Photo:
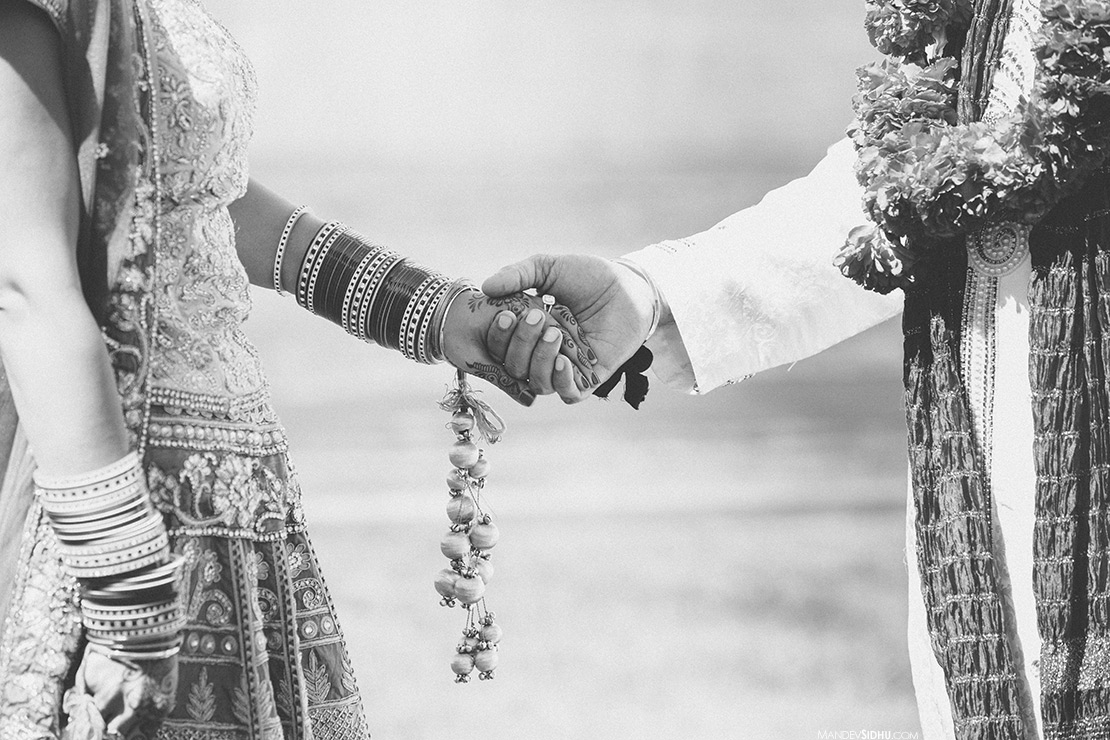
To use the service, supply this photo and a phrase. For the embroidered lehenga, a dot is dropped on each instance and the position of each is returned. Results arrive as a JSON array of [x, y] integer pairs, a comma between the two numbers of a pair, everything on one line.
[[162, 100]]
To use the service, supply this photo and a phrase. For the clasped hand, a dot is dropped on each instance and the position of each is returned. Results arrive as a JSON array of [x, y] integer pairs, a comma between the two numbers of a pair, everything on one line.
[[602, 314], [115, 698]]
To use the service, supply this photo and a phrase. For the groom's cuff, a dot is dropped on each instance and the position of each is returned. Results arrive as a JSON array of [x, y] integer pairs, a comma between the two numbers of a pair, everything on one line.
[[675, 361]]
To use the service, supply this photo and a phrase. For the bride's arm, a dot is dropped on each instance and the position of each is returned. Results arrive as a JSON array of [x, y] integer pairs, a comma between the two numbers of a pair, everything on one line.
[[261, 219], [56, 362], [55, 359]]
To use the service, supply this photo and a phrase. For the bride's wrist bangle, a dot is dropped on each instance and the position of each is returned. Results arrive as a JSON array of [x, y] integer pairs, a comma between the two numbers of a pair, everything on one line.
[[373, 293], [311, 260], [439, 322], [283, 242], [656, 294]]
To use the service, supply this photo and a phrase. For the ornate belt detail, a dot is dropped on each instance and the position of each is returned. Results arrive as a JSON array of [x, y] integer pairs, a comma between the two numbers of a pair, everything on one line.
[[998, 249], [245, 425]]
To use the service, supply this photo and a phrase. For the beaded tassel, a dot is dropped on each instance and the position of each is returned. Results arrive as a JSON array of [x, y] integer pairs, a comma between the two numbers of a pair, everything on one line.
[[472, 534]]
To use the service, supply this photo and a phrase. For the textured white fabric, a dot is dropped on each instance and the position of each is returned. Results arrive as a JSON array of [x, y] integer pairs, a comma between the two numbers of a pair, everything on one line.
[[1013, 479], [759, 289]]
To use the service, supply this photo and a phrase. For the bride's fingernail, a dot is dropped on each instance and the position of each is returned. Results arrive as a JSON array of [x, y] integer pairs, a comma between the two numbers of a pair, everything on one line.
[[551, 334], [593, 357], [534, 317], [505, 319]]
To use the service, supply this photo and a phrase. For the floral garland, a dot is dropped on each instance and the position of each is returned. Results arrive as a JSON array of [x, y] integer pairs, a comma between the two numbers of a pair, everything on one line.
[[927, 177]]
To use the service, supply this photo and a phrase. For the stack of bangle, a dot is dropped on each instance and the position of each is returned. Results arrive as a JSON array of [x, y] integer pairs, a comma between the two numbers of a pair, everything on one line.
[[113, 541], [375, 294]]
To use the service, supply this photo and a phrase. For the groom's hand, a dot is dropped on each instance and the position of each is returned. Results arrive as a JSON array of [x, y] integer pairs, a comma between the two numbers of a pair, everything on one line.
[[613, 307]]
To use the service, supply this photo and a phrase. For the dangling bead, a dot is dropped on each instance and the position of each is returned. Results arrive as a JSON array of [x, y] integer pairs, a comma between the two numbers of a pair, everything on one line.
[[486, 660], [491, 633], [484, 570], [461, 509], [462, 664], [480, 469], [464, 454], [469, 590], [455, 545], [484, 536], [445, 583], [454, 482], [462, 421]]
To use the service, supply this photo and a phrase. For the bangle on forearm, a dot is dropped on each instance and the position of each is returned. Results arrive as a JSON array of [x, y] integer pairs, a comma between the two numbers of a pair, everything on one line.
[[427, 340], [283, 241], [371, 294], [656, 294], [374, 294], [319, 264], [397, 289], [439, 321], [413, 317], [337, 266], [311, 260], [114, 542]]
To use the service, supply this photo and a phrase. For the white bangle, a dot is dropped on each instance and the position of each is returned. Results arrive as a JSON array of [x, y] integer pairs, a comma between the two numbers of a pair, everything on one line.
[[656, 294], [282, 242], [459, 288], [108, 472]]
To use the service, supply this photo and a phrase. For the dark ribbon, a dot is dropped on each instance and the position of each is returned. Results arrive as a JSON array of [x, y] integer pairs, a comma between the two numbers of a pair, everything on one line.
[[635, 382]]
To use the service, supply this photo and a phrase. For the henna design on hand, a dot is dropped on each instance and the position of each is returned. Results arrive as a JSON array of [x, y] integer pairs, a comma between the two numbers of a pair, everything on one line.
[[569, 319], [518, 303], [568, 342], [500, 378]]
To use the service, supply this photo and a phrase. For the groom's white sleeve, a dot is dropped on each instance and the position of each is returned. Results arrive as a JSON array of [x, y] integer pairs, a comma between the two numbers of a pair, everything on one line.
[[759, 289]]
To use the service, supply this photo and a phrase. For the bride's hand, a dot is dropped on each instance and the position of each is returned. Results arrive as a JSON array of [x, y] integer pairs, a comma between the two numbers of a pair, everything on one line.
[[130, 696], [612, 305], [467, 325]]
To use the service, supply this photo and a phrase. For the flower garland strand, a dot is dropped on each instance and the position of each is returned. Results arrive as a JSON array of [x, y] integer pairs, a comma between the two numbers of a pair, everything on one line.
[[905, 28], [928, 178], [472, 534]]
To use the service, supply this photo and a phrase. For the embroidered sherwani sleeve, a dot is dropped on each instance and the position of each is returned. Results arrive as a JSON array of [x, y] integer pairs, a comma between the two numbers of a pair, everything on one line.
[[759, 289]]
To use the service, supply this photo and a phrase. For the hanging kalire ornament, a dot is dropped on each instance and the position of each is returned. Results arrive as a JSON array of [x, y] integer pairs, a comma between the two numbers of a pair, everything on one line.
[[473, 534]]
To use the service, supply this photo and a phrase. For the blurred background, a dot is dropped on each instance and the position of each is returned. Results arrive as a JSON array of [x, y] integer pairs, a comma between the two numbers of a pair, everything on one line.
[[726, 566]]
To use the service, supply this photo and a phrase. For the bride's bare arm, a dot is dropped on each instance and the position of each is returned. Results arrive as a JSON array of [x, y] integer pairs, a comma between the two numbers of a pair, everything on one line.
[[260, 217], [61, 378], [56, 362]]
